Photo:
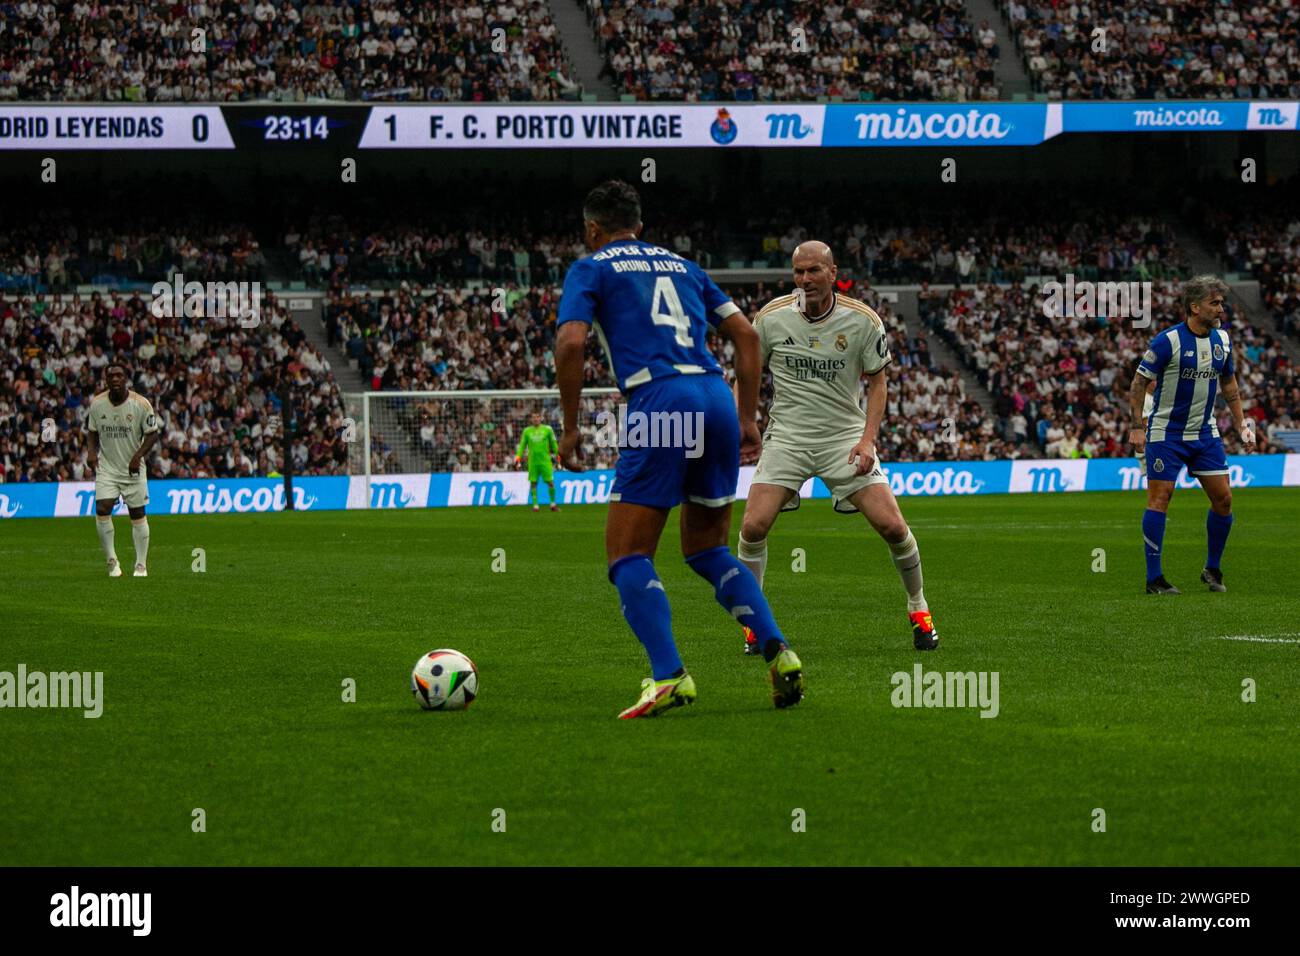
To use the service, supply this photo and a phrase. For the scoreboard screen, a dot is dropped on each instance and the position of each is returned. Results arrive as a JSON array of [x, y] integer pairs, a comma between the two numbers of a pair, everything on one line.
[[345, 127]]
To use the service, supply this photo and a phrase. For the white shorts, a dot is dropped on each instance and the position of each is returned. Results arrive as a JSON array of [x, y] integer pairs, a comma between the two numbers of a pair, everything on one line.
[[789, 467], [134, 490]]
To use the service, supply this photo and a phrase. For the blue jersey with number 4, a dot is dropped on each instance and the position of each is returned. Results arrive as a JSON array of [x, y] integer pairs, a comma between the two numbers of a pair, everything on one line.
[[650, 307]]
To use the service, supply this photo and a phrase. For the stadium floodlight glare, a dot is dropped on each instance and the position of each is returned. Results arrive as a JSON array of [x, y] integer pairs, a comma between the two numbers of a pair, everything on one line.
[[486, 422]]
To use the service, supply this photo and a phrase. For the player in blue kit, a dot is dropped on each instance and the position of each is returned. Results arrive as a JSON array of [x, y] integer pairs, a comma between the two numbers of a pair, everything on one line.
[[1187, 363], [651, 310]]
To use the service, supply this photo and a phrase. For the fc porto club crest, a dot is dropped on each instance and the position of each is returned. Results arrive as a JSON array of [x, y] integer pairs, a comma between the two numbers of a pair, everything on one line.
[[1218, 352], [841, 343], [723, 129], [1158, 465]]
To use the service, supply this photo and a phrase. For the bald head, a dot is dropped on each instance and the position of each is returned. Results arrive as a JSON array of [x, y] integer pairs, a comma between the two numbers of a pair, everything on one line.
[[814, 275], [814, 250]]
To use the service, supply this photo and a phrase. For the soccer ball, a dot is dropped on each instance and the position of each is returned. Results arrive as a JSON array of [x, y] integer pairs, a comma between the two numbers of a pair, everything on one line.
[[444, 680]]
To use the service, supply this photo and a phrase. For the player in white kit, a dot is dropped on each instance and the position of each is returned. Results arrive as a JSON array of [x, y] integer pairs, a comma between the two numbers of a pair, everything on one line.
[[123, 430], [818, 345]]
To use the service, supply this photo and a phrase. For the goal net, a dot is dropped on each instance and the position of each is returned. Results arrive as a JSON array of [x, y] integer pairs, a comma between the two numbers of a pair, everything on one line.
[[411, 433]]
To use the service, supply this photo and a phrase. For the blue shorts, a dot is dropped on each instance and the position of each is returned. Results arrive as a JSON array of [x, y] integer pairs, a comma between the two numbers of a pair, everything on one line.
[[695, 417], [1202, 457]]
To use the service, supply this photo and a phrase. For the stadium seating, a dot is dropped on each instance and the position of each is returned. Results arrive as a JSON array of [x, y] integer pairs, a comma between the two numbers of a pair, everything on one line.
[[715, 50], [1191, 50], [1062, 383], [289, 51], [213, 384]]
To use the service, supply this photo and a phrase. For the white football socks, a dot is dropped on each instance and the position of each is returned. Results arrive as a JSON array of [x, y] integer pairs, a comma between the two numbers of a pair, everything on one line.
[[140, 535], [105, 528], [907, 558], [753, 556]]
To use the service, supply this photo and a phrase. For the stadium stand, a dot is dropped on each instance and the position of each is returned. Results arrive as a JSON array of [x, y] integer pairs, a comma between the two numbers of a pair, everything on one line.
[[290, 51], [776, 51], [1061, 383], [1196, 49], [214, 385]]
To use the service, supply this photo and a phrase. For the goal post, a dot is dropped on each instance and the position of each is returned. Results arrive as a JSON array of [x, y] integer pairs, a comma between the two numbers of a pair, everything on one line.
[[427, 432]]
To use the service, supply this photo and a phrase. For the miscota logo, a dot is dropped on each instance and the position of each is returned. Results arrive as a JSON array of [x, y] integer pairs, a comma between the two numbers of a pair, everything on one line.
[[949, 481], [388, 494], [490, 493], [586, 491], [903, 123], [1048, 479], [787, 126]]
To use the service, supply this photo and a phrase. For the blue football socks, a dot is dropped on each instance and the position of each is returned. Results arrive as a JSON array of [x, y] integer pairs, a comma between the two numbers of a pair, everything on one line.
[[737, 590], [645, 606], [1217, 527], [1153, 536]]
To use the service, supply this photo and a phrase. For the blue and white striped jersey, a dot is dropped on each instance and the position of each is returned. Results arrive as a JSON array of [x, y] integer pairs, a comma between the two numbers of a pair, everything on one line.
[[1186, 368]]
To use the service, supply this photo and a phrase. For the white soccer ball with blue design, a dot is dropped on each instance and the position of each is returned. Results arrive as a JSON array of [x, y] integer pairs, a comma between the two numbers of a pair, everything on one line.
[[444, 680]]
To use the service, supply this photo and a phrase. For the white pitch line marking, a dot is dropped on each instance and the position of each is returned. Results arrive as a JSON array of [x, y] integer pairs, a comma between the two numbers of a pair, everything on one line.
[[1260, 639]]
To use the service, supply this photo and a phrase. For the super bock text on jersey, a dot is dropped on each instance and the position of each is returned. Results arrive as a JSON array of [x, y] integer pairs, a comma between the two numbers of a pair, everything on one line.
[[652, 310], [1181, 429]]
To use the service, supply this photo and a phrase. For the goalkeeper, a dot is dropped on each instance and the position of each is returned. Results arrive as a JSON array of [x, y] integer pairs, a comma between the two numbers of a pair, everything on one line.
[[538, 441]]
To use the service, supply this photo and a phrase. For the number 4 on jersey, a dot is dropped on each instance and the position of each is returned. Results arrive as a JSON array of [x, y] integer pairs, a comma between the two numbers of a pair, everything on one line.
[[665, 296]]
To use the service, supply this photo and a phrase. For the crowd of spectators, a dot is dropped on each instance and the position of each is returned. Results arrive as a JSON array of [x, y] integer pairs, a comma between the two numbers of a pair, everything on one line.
[[858, 50], [333, 248], [1265, 245], [1193, 49], [286, 50], [215, 386], [682, 50], [57, 255], [1051, 234], [1060, 383], [449, 340]]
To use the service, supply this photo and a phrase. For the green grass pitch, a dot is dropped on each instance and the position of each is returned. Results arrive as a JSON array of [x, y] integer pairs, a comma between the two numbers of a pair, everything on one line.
[[223, 691]]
